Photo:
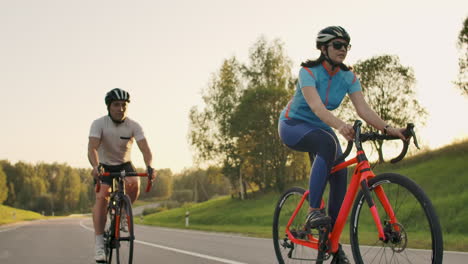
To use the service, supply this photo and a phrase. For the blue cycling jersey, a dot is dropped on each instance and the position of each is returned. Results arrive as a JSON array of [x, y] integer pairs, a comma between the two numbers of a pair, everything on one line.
[[332, 86]]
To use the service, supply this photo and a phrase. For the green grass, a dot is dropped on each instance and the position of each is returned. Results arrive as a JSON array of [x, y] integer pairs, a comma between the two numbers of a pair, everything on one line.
[[223, 214], [442, 174], [11, 215]]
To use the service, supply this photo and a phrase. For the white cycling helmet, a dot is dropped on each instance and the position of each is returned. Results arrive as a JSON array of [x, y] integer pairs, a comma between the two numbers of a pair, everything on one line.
[[329, 33]]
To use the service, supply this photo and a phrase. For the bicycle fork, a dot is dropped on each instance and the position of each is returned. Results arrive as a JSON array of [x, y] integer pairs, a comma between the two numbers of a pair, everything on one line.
[[373, 209]]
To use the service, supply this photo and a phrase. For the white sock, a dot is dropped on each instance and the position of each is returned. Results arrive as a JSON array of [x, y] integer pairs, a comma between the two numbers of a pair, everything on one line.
[[99, 240]]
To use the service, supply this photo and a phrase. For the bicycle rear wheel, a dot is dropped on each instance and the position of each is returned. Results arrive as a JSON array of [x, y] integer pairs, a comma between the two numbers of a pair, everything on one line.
[[124, 233], [415, 238], [287, 251]]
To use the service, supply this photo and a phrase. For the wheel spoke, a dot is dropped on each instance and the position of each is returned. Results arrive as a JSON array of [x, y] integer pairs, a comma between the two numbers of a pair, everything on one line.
[[124, 245], [416, 235], [286, 250]]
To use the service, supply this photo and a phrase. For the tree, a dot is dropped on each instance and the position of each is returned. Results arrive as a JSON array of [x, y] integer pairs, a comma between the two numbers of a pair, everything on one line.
[[3, 186], [388, 88], [462, 43], [162, 185], [237, 129], [29, 186], [71, 189], [199, 185], [209, 133], [9, 171], [269, 86]]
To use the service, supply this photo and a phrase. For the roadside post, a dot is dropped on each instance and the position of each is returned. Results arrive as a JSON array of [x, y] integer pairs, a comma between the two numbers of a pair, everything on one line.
[[187, 215]]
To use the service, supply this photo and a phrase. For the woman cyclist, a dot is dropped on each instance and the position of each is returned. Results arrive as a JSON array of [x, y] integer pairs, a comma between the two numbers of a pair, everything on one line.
[[306, 122]]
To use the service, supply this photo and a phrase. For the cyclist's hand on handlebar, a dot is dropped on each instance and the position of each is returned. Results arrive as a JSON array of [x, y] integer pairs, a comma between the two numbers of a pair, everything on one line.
[[397, 132], [151, 172], [96, 172], [347, 131]]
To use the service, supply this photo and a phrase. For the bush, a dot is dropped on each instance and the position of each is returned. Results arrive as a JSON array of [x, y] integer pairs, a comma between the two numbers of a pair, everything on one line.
[[171, 204], [155, 210], [163, 206], [183, 196]]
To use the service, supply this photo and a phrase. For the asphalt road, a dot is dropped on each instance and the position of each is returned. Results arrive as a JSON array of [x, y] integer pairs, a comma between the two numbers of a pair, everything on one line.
[[70, 240]]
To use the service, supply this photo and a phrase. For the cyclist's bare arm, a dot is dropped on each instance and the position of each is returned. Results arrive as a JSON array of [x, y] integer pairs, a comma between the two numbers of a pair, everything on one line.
[[93, 156], [368, 114], [147, 154], [146, 151], [315, 103]]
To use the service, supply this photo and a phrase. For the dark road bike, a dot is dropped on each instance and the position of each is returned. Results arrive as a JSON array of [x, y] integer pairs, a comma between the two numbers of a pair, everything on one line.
[[118, 232], [400, 224]]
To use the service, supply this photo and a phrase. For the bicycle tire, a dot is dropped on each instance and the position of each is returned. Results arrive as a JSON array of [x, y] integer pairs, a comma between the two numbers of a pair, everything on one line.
[[419, 236], [286, 251], [124, 242], [109, 241]]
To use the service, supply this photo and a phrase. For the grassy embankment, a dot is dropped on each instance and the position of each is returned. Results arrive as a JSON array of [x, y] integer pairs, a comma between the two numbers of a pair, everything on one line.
[[443, 175], [10, 215]]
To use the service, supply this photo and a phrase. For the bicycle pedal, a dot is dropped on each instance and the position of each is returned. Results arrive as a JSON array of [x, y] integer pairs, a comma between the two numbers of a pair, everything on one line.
[[101, 261], [302, 234], [294, 233], [324, 228]]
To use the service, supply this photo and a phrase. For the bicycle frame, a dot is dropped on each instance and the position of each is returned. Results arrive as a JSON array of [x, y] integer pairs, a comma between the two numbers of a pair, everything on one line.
[[118, 191], [361, 174]]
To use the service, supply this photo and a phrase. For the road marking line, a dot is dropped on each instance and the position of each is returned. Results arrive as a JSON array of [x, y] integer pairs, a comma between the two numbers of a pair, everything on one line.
[[456, 252], [8, 229], [220, 234], [14, 226], [85, 227], [199, 255], [190, 253]]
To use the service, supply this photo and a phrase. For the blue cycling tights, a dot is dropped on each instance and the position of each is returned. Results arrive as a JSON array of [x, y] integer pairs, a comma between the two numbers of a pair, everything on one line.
[[323, 148]]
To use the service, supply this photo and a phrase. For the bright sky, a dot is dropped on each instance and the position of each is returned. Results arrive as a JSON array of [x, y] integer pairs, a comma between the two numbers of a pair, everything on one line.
[[58, 58]]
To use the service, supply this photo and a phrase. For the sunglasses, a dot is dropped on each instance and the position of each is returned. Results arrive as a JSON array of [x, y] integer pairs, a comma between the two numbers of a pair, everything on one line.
[[338, 45]]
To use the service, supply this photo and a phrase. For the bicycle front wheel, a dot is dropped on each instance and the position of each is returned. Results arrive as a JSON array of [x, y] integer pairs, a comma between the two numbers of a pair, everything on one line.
[[287, 251], [109, 238], [415, 238], [124, 233]]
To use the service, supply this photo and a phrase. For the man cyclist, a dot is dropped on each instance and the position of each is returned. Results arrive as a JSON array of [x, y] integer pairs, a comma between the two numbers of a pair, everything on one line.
[[109, 149]]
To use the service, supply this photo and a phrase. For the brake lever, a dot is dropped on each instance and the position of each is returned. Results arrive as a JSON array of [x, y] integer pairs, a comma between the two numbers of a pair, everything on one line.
[[150, 179], [415, 140], [409, 132]]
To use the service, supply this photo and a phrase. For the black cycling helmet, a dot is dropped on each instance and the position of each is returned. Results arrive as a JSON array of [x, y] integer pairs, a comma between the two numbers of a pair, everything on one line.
[[329, 33], [117, 94]]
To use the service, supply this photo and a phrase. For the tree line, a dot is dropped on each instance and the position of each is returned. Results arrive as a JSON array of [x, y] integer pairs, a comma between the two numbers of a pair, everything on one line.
[[45, 188], [59, 189]]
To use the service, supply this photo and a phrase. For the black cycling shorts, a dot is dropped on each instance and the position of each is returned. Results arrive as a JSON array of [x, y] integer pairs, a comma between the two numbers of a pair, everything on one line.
[[127, 167]]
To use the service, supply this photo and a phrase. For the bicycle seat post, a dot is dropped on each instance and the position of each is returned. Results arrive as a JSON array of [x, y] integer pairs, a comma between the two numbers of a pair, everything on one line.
[[121, 181]]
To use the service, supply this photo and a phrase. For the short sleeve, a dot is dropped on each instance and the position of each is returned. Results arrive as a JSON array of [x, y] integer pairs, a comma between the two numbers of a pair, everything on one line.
[[138, 132], [306, 78], [96, 129], [355, 85]]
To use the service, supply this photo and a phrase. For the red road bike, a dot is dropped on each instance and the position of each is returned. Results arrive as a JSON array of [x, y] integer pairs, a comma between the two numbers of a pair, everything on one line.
[[118, 232], [400, 225]]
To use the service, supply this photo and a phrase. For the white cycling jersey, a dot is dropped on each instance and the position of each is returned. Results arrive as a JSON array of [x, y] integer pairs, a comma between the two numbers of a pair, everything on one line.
[[116, 139]]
